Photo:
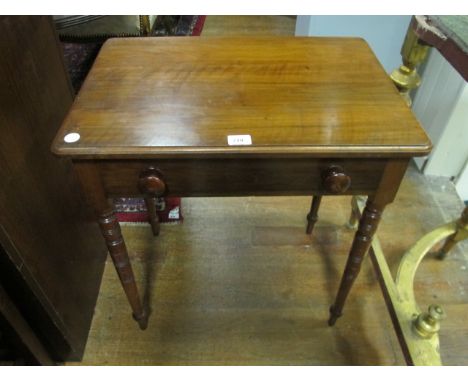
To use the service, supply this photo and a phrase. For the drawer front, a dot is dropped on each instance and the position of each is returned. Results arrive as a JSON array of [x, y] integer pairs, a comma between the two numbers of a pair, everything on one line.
[[242, 177]]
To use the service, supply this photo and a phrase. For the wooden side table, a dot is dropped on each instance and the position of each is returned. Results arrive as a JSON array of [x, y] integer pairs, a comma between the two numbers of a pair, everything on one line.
[[236, 117]]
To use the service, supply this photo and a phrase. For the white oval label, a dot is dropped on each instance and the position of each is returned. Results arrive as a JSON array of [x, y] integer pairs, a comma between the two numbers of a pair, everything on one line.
[[72, 137]]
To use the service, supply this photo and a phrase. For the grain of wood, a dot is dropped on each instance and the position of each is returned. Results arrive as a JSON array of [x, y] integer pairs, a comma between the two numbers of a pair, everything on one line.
[[293, 95]]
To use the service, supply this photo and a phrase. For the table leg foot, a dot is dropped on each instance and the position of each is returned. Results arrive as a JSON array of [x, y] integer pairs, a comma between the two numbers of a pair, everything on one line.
[[142, 319], [334, 315], [312, 216]]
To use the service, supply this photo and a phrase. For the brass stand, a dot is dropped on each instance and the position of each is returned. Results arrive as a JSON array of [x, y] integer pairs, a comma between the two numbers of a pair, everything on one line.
[[416, 330]]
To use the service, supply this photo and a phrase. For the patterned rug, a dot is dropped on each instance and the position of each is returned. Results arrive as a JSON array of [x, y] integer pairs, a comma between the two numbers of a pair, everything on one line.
[[79, 57]]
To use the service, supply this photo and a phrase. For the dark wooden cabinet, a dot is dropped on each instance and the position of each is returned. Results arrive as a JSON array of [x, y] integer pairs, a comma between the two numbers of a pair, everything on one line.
[[51, 255]]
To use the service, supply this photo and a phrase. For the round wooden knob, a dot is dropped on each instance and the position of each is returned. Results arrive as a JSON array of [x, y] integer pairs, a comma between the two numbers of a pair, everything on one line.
[[335, 180], [151, 183]]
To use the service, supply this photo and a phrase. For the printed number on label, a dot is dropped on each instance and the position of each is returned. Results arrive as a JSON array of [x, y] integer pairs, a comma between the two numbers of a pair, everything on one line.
[[239, 140]]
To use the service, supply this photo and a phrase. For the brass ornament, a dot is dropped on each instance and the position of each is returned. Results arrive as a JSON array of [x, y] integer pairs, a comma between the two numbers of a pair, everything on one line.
[[428, 323], [418, 330], [413, 53]]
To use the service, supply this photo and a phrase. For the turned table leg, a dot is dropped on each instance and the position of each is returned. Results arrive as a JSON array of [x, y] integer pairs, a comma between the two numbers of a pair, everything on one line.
[[362, 241], [312, 216], [151, 184], [110, 229], [385, 194], [152, 214], [90, 180]]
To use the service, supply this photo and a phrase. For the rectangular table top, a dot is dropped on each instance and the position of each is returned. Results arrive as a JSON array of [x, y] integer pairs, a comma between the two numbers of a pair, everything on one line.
[[184, 96]]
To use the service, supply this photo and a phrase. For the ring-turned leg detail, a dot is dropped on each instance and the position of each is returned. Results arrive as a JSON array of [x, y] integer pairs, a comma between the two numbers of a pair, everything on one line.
[[312, 216], [91, 183], [362, 241], [110, 229]]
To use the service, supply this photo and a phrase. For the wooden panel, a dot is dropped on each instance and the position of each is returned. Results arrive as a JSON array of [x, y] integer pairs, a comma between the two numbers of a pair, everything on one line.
[[224, 177], [297, 96], [28, 343], [44, 229]]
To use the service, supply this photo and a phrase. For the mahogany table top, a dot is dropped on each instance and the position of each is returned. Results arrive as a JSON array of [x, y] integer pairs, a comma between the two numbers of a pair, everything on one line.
[[294, 96]]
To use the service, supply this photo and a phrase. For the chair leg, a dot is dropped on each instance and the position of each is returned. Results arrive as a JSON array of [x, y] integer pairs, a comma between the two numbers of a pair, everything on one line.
[[312, 216]]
